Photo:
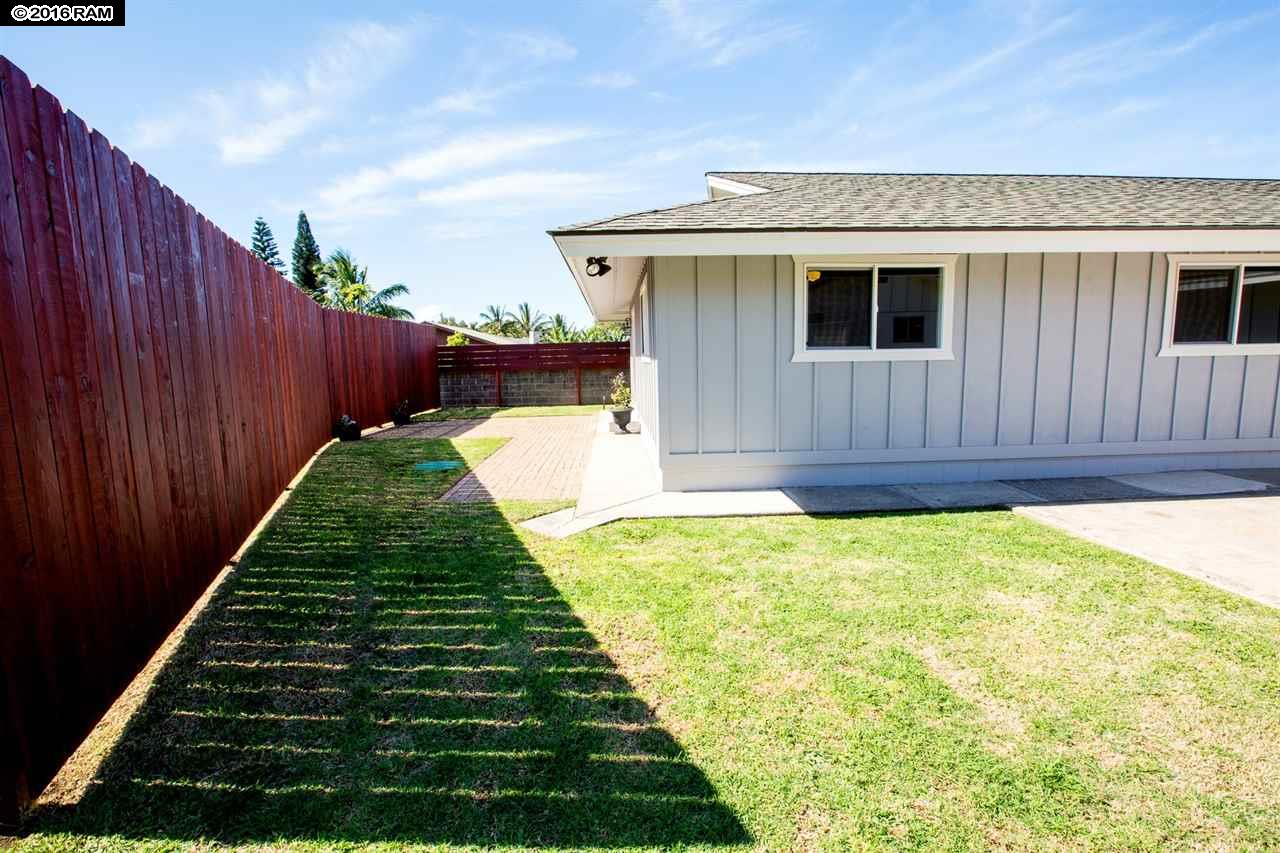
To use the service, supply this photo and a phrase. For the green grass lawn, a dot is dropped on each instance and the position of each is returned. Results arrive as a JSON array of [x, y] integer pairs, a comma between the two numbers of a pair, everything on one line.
[[457, 412], [388, 669]]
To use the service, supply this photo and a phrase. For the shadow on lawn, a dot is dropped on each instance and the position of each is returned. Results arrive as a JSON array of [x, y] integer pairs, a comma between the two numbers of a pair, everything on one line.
[[387, 667]]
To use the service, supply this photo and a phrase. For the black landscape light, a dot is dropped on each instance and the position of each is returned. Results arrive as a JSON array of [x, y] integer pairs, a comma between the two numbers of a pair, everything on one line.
[[597, 266]]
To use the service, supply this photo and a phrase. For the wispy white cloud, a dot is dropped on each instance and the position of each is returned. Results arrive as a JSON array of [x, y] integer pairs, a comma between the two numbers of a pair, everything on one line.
[[491, 59], [1139, 52], [552, 187], [823, 165], [493, 67], [983, 65], [251, 121], [260, 141], [386, 189], [742, 150], [481, 99], [537, 46], [722, 31], [463, 229], [611, 80], [1134, 106]]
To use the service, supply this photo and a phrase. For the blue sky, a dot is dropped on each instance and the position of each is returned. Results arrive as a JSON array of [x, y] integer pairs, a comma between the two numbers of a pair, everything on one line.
[[438, 145]]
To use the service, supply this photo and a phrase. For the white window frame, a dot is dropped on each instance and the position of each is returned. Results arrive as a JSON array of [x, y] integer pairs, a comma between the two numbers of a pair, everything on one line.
[[1238, 261], [643, 350], [874, 263]]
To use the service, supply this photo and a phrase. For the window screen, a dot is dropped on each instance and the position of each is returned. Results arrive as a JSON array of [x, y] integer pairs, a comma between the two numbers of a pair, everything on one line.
[[1202, 312], [1260, 306], [839, 308], [908, 308]]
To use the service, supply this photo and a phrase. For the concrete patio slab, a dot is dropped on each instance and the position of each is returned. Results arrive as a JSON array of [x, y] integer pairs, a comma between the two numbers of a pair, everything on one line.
[[845, 499], [1073, 489], [710, 504], [552, 523], [1270, 476], [1230, 542], [1190, 483], [619, 469], [961, 495]]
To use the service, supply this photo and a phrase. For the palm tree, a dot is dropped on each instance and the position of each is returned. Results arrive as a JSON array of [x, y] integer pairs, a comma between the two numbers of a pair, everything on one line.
[[493, 319], [608, 331], [561, 331], [346, 288], [525, 320]]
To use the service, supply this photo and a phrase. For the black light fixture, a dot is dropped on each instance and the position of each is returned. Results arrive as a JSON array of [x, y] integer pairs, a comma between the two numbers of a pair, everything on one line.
[[597, 266]]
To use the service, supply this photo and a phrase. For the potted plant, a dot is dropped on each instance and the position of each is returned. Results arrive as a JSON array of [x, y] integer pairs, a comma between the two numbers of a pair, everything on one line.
[[620, 401], [348, 429], [402, 414]]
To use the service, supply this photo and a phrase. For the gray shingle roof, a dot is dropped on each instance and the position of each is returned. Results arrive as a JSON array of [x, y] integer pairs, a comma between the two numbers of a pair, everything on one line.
[[488, 337], [860, 202]]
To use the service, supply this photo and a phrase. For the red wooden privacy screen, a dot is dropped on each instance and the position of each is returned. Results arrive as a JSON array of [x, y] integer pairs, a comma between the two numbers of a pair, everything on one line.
[[159, 386], [500, 359]]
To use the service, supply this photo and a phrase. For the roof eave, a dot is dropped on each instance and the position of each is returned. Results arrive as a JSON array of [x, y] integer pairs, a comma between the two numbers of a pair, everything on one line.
[[782, 241], [577, 279], [920, 229]]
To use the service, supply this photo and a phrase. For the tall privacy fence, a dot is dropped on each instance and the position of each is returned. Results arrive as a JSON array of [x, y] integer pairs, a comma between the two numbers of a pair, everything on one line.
[[159, 387], [530, 374]]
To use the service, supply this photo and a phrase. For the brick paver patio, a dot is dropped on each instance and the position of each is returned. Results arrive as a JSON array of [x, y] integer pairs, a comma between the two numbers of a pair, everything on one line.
[[544, 459]]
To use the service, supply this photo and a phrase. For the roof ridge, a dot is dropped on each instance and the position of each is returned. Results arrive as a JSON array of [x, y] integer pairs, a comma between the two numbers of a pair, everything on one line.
[[726, 173], [595, 222]]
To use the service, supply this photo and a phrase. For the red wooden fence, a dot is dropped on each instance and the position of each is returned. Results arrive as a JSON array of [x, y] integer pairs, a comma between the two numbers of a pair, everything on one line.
[[500, 359], [159, 386]]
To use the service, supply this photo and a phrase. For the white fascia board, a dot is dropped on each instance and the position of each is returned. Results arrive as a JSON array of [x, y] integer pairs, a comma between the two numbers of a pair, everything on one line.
[[887, 242], [718, 187], [593, 290]]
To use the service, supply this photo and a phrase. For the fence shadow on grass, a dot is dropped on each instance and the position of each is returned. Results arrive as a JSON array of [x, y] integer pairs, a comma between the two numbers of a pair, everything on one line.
[[384, 666]]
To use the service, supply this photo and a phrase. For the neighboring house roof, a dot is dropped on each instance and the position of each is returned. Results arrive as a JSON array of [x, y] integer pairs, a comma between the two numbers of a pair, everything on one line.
[[487, 337], [787, 201]]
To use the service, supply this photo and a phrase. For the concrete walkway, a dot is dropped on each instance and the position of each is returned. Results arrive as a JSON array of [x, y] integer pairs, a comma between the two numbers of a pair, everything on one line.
[[1220, 526], [1229, 541], [543, 460]]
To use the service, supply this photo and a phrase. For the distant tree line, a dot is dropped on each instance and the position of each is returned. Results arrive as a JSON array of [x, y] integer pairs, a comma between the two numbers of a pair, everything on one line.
[[524, 320], [339, 282]]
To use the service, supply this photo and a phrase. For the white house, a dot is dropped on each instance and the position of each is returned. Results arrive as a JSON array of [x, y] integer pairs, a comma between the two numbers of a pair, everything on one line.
[[813, 329]]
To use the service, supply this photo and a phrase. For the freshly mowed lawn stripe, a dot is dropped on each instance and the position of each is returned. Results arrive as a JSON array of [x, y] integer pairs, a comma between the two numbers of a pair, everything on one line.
[[460, 412], [941, 679], [387, 668]]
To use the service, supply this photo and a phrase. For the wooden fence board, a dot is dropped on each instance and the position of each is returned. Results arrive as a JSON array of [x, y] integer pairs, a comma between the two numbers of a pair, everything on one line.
[[61, 380], [32, 431], [497, 359], [159, 386], [148, 351], [200, 527], [127, 497], [179, 431]]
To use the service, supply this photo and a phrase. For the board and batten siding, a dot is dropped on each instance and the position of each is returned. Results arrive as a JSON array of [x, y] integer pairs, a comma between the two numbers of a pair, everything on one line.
[[1055, 373]]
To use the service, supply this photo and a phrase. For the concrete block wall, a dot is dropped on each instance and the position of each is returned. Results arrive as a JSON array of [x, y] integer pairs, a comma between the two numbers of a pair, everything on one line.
[[466, 389], [526, 387], [597, 384]]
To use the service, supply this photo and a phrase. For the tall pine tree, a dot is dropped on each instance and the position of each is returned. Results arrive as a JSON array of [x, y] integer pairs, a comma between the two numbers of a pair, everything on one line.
[[306, 257], [264, 245]]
